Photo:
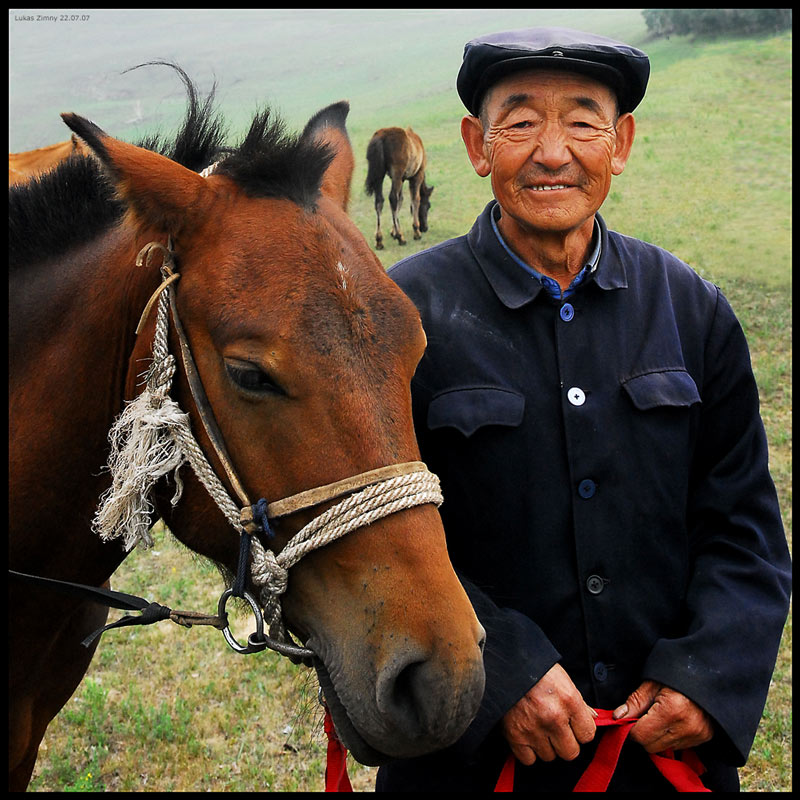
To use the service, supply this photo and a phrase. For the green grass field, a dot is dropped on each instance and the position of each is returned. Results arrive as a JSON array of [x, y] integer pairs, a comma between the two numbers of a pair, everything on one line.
[[168, 709]]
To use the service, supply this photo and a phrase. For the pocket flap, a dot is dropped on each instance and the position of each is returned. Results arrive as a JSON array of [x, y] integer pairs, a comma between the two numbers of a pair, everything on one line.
[[469, 408], [667, 388]]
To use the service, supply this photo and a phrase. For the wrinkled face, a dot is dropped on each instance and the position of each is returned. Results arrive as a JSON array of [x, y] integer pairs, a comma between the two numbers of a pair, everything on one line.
[[306, 350], [551, 142]]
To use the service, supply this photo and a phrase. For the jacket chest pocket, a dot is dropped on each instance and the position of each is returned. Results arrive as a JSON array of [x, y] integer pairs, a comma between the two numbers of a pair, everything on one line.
[[667, 388], [660, 430], [469, 408]]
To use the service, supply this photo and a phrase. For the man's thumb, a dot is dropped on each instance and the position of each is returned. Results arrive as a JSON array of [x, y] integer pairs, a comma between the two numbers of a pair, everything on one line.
[[638, 702]]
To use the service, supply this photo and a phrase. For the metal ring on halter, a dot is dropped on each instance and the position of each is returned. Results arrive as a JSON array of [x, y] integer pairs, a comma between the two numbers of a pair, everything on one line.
[[258, 640]]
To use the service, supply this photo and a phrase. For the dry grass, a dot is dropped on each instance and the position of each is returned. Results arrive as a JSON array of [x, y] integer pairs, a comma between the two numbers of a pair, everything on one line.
[[168, 709]]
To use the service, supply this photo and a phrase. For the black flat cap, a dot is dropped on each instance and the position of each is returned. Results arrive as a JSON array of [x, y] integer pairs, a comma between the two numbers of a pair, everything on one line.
[[488, 58]]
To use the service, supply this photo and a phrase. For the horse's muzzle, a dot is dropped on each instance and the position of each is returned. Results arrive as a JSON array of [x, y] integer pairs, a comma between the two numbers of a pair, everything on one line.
[[420, 705], [412, 694]]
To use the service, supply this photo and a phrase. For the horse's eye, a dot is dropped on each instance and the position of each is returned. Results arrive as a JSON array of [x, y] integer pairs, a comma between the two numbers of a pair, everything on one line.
[[252, 378]]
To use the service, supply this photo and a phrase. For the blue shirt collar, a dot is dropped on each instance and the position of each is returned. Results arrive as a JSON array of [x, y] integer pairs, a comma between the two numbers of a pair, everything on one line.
[[548, 284]]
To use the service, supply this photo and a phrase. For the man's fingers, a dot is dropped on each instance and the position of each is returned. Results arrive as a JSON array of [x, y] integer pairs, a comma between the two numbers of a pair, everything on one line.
[[639, 701], [556, 743], [583, 725], [568, 749], [652, 730], [565, 741], [550, 721], [546, 750], [668, 739], [523, 753], [673, 722]]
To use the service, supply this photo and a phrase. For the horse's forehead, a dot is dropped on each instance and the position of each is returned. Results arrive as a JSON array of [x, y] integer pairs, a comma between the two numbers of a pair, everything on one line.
[[261, 244], [255, 230], [267, 269], [301, 282]]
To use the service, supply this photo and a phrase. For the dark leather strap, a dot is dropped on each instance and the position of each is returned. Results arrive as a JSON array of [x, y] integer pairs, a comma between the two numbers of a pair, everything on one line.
[[204, 410], [151, 612]]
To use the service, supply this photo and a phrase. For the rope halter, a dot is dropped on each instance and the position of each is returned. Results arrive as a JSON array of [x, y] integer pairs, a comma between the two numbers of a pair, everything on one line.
[[153, 437]]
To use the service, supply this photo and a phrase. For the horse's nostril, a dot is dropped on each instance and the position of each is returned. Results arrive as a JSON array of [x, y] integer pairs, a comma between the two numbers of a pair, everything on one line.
[[425, 701], [415, 697], [405, 692]]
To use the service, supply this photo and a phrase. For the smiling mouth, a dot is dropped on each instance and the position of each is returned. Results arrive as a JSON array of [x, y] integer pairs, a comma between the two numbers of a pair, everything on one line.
[[550, 188]]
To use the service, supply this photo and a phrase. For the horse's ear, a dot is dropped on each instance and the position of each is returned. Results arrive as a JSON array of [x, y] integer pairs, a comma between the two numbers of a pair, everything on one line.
[[160, 192], [328, 127]]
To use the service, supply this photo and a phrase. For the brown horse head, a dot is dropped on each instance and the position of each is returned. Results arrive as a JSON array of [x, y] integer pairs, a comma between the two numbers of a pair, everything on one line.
[[306, 350], [425, 193]]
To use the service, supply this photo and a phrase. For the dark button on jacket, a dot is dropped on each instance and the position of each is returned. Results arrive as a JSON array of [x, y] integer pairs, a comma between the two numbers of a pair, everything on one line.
[[620, 440], [595, 584]]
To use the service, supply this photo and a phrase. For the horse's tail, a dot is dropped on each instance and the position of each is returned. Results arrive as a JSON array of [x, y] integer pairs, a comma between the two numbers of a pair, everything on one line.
[[376, 165]]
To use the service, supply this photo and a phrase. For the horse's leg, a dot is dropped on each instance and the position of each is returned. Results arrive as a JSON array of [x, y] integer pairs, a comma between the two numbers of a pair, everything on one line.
[[414, 185], [378, 209], [395, 201], [47, 663]]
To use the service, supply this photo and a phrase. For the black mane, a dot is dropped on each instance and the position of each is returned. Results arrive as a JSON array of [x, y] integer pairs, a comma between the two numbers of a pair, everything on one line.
[[200, 139], [271, 163], [61, 209], [75, 202]]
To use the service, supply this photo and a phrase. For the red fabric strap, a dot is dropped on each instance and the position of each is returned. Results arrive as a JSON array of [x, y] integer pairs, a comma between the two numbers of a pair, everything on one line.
[[684, 775], [336, 778], [505, 783], [598, 773]]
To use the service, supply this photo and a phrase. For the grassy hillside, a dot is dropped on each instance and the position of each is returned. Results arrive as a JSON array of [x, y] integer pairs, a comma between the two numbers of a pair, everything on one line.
[[166, 709], [713, 131], [709, 177]]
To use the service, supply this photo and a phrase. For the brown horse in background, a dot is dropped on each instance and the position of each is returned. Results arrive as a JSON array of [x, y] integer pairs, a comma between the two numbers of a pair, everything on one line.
[[24, 166], [304, 351], [399, 154]]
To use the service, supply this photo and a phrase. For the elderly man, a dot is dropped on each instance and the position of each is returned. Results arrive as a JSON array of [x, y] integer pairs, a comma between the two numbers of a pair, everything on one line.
[[589, 405]]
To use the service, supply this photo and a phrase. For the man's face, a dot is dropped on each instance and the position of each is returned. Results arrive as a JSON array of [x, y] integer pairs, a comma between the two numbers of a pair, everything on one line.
[[551, 142]]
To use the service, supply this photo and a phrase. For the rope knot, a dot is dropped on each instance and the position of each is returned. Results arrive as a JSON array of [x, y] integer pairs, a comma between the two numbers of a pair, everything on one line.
[[254, 519], [268, 573]]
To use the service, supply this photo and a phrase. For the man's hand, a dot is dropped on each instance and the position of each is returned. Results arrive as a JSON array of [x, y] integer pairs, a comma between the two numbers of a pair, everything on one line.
[[551, 720], [669, 719]]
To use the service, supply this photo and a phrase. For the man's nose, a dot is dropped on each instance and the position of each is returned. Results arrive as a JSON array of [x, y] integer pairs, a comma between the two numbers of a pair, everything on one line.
[[551, 149]]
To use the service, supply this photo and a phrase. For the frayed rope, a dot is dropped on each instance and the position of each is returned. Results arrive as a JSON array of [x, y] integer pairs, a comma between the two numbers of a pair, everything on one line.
[[144, 448]]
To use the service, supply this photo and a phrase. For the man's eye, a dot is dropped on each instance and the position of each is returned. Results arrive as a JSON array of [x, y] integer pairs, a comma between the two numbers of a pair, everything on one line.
[[524, 124], [252, 378]]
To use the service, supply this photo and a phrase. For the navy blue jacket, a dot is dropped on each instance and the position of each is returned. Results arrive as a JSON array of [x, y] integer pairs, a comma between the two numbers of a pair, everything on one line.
[[608, 503]]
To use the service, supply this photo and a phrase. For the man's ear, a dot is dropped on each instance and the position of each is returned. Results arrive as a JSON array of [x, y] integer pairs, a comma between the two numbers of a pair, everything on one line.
[[626, 130], [472, 134]]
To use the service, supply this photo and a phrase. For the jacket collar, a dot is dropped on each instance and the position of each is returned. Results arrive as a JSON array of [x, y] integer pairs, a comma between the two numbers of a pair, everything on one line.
[[515, 286]]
